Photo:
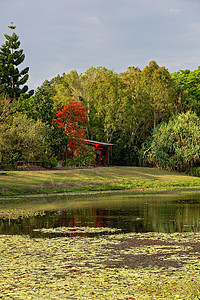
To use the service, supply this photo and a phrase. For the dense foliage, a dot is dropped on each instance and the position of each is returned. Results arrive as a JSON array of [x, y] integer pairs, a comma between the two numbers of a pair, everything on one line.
[[188, 89], [175, 145], [4, 108], [71, 121], [121, 108], [125, 109], [22, 139], [71, 118]]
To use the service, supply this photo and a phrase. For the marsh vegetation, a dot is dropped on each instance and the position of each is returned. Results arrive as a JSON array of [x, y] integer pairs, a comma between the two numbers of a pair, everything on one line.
[[139, 241]]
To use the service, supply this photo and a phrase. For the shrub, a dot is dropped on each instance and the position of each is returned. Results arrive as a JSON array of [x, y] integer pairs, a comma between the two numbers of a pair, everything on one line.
[[49, 162], [22, 139], [53, 162], [84, 157], [176, 145]]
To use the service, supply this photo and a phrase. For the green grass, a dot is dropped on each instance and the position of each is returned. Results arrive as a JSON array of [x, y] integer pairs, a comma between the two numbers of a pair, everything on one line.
[[102, 179]]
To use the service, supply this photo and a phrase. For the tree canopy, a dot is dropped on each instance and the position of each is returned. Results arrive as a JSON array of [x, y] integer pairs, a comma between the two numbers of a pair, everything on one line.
[[120, 108], [175, 145], [188, 89], [12, 79], [134, 108], [22, 139], [71, 119]]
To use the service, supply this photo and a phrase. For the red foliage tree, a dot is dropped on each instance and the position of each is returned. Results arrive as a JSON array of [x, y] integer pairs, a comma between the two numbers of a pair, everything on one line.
[[4, 108], [72, 119]]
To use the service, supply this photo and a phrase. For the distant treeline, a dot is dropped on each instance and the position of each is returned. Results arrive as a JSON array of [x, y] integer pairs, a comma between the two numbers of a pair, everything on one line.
[[141, 111], [124, 108]]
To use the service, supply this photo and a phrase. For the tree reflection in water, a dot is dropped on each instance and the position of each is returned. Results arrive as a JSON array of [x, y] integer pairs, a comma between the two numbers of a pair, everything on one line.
[[129, 213]]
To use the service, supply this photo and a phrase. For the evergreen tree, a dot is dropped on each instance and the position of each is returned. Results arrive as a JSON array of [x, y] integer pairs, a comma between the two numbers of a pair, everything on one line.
[[12, 80]]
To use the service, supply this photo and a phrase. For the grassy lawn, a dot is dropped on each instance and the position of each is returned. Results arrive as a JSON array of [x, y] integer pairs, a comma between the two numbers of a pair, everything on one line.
[[100, 179]]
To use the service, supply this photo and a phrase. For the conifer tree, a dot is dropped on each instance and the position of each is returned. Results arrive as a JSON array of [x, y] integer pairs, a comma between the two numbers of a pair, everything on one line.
[[12, 80]]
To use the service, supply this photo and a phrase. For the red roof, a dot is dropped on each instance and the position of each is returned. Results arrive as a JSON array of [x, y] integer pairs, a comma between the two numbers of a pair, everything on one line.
[[96, 143]]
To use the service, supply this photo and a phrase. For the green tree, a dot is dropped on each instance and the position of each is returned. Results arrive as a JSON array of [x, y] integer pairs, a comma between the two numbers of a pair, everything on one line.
[[41, 107], [175, 145], [68, 88], [121, 108], [188, 89], [22, 139], [103, 99], [12, 80], [135, 119], [160, 92], [148, 99]]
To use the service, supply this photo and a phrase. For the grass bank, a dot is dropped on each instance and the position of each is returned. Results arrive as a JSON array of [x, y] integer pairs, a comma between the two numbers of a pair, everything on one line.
[[95, 180]]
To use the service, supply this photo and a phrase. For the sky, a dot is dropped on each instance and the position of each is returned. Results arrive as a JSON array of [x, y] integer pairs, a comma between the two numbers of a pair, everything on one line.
[[58, 36]]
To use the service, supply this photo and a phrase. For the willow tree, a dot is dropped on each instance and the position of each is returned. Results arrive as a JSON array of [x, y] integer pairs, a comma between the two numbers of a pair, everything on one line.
[[12, 80], [175, 145]]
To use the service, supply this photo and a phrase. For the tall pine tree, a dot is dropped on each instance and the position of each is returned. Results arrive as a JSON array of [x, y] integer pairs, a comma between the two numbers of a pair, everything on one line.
[[12, 80]]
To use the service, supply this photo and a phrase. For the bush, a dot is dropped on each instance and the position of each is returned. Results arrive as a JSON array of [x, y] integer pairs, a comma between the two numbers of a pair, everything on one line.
[[176, 145], [194, 171], [53, 162], [84, 157], [22, 139], [7, 167], [49, 162]]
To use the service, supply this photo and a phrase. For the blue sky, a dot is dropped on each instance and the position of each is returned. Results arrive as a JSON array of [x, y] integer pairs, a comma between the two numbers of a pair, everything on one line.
[[58, 36]]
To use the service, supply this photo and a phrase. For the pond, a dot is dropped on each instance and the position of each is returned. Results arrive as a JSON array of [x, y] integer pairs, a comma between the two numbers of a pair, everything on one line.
[[127, 213]]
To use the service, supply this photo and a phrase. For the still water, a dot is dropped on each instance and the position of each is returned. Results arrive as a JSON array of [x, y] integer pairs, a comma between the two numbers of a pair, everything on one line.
[[130, 213]]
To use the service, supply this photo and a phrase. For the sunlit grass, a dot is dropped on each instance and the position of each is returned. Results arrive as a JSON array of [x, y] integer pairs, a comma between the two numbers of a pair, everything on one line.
[[98, 179]]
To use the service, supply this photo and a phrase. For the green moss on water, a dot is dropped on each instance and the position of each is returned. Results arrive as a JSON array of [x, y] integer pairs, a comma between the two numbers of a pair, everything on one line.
[[93, 268]]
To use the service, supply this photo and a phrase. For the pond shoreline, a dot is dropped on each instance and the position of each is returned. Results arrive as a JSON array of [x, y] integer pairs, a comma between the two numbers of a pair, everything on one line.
[[82, 195]]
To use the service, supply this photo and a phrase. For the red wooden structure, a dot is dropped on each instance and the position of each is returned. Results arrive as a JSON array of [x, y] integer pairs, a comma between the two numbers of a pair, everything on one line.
[[102, 147]]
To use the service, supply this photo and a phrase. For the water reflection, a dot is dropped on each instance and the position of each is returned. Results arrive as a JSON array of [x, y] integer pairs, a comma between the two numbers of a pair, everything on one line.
[[127, 212]]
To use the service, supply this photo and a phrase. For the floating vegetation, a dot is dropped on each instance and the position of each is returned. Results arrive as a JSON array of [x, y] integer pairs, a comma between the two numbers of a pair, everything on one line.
[[19, 213], [121, 267], [78, 230]]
